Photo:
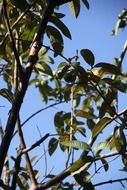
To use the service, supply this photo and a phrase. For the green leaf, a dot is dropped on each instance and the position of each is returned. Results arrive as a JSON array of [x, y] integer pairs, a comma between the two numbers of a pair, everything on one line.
[[112, 69], [62, 64], [84, 114], [61, 26], [84, 179], [88, 56], [85, 2], [75, 7], [76, 144], [53, 143], [7, 94], [117, 84], [100, 146], [110, 97], [82, 130], [105, 164], [43, 93], [119, 140], [102, 123], [22, 182], [55, 39], [59, 121], [46, 69], [82, 164], [22, 4]]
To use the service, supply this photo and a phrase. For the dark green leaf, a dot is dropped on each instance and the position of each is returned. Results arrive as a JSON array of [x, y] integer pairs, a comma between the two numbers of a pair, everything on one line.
[[110, 97], [119, 140], [52, 146], [82, 130], [83, 179], [105, 164], [61, 26], [43, 93], [117, 84], [86, 3], [75, 7], [88, 56], [22, 4], [112, 69], [59, 121], [7, 94], [55, 39]]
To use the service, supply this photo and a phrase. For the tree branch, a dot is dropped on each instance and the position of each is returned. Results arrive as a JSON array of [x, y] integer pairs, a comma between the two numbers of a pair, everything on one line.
[[14, 112], [123, 53], [110, 181], [35, 144], [11, 37]]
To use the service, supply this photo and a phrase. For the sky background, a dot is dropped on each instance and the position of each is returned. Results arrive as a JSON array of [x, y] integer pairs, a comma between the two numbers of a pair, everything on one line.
[[91, 30]]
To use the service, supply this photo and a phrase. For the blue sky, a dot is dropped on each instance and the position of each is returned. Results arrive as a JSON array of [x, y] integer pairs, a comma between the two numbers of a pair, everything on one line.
[[91, 30]]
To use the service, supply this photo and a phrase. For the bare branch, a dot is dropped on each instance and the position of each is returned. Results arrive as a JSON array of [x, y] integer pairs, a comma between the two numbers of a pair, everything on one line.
[[40, 110], [123, 53], [35, 144], [54, 180], [110, 181]]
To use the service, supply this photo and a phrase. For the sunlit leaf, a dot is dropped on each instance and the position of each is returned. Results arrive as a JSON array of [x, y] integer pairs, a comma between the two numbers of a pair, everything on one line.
[[88, 56], [84, 114], [76, 144], [100, 146], [102, 123]]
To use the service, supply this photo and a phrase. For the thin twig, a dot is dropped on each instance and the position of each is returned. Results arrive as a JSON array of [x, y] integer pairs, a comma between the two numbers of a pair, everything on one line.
[[27, 158], [35, 144], [40, 110], [103, 166], [45, 157], [122, 56], [110, 181]]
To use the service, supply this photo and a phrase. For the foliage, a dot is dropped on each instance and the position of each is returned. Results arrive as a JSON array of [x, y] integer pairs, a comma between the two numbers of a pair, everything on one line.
[[70, 81]]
